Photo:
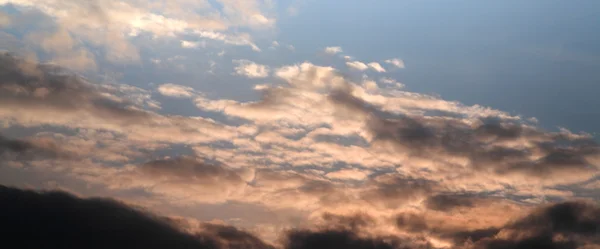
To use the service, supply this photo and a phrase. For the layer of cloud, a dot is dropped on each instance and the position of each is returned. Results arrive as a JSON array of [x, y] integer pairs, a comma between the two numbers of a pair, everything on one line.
[[317, 142]]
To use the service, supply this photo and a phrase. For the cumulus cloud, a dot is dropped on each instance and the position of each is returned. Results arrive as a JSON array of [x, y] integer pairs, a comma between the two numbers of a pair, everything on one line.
[[357, 65], [251, 69], [333, 50], [174, 90], [395, 62], [377, 67]]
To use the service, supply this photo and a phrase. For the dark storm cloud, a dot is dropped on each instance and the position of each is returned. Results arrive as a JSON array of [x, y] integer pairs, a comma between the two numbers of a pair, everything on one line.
[[59, 220]]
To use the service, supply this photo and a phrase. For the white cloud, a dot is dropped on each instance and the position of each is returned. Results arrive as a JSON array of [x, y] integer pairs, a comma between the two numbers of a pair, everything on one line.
[[110, 24], [377, 67], [178, 91], [251, 69], [191, 44], [333, 50], [396, 62], [238, 40], [357, 65], [391, 82]]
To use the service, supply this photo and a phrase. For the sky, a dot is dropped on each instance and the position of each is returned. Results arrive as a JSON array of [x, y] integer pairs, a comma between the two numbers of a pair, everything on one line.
[[300, 124]]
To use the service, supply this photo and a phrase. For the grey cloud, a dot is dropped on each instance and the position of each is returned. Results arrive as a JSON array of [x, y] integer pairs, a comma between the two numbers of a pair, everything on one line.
[[325, 239], [573, 224], [411, 222], [25, 150], [344, 222], [26, 85], [482, 144], [190, 169], [577, 223], [393, 191], [448, 202], [232, 238], [61, 220]]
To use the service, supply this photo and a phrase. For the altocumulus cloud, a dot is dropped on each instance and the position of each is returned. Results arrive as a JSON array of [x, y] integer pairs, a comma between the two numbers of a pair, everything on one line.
[[428, 172]]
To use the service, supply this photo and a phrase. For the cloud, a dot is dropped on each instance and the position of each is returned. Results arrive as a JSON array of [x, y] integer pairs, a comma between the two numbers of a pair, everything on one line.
[[357, 65], [19, 150], [110, 25], [391, 82], [448, 202], [65, 50], [348, 174], [238, 40], [333, 50], [561, 225], [34, 95], [377, 67], [395, 62], [178, 91], [321, 239], [316, 142], [185, 177], [191, 44], [58, 219], [251, 69]]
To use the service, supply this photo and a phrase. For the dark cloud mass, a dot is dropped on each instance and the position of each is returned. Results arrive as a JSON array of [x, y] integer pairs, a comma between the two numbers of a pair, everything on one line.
[[59, 220], [326, 239], [574, 224]]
